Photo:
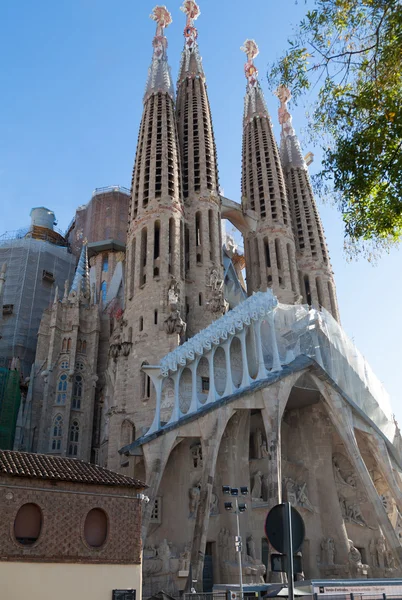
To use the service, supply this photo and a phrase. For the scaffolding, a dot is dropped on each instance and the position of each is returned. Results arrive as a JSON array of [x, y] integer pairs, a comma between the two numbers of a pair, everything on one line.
[[35, 268]]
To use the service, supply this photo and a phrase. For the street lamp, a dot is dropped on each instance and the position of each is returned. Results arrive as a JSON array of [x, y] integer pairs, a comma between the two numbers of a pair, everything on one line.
[[240, 508]]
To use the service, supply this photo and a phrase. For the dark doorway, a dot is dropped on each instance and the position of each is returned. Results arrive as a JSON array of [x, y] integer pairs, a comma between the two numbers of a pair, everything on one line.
[[208, 573]]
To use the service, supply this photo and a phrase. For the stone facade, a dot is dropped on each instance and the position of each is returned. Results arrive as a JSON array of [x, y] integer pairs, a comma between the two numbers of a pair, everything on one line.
[[190, 397]]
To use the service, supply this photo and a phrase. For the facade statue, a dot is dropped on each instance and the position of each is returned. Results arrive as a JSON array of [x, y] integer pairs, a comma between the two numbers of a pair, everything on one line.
[[214, 506], [216, 302], [251, 547], [257, 443], [184, 560], [175, 324], [381, 551], [164, 555], [194, 496], [256, 492], [328, 551], [264, 450], [296, 494]]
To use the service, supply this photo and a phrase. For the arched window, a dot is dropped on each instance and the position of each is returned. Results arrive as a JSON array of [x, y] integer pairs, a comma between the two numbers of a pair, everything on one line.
[[28, 524], [62, 389], [145, 383], [77, 392], [96, 528], [64, 346], [73, 438], [64, 364], [127, 434], [69, 345], [103, 291], [79, 366], [57, 433], [105, 263]]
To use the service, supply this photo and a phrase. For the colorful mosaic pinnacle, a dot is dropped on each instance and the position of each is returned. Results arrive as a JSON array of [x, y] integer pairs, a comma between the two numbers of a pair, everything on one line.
[[285, 118], [251, 49], [192, 11], [163, 18]]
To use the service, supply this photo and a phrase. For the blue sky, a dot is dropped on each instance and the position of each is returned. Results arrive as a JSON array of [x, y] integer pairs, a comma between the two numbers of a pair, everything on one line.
[[73, 76]]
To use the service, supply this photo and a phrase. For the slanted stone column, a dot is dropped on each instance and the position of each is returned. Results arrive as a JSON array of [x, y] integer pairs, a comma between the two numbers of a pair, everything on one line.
[[213, 428]]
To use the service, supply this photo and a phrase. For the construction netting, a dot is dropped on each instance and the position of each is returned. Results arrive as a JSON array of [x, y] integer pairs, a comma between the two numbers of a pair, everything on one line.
[[300, 330], [34, 269], [10, 398]]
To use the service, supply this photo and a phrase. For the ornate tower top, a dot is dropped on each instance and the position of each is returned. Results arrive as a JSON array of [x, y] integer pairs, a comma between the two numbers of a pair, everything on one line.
[[159, 77], [191, 62], [250, 70], [291, 152], [254, 102], [192, 11]]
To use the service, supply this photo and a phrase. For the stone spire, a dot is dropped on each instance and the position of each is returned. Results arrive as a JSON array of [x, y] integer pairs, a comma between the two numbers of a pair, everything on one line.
[[270, 251], [203, 247], [154, 309], [315, 272], [159, 76], [81, 278]]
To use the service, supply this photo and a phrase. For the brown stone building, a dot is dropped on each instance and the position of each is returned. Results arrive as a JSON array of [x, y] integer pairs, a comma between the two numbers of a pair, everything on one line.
[[68, 529]]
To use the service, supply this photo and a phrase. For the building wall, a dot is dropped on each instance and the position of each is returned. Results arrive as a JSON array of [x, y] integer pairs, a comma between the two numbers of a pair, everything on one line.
[[105, 217], [44, 581], [64, 508]]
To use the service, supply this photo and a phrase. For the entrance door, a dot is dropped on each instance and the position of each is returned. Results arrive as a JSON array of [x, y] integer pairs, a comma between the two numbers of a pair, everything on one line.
[[208, 573]]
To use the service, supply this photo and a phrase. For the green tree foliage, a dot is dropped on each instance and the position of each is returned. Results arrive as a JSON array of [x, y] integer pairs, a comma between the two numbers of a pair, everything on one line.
[[349, 52]]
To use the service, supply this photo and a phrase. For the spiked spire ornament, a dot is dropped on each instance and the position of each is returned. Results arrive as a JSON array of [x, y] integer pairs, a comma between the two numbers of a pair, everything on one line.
[[159, 78], [250, 70], [80, 283], [192, 11]]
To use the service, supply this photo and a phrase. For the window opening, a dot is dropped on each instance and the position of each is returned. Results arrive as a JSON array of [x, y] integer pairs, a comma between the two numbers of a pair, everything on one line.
[[74, 438], [57, 433], [62, 389], [77, 392]]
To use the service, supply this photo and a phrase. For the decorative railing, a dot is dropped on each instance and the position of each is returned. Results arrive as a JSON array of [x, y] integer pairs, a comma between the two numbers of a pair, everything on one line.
[[249, 343]]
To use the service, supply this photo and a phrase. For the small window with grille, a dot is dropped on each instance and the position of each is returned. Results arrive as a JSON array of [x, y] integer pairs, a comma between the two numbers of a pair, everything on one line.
[[156, 515]]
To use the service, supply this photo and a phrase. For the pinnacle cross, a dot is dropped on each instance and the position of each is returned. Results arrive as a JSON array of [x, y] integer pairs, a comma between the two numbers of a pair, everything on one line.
[[163, 19], [285, 118], [251, 49], [192, 11]]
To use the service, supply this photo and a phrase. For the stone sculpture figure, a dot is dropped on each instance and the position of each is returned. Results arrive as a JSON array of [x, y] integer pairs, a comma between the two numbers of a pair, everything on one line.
[[257, 443], [296, 494], [328, 551], [251, 547], [216, 302], [194, 495], [265, 487], [214, 505], [164, 555], [257, 486], [354, 555], [264, 450], [174, 323], [184, 560], [381, 551]]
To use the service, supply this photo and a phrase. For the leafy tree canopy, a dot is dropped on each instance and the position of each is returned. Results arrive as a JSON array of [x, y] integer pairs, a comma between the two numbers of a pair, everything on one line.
[[350, 51]]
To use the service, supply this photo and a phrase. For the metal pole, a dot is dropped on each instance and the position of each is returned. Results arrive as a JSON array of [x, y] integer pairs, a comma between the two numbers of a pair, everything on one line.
[[289, 549], [239, 551]]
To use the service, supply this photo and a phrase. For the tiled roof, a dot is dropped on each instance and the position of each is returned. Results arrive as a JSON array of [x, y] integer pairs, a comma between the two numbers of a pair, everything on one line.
[[56, 468]]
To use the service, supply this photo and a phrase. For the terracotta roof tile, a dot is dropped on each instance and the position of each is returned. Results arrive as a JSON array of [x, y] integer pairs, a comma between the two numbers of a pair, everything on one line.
[[57, 468]]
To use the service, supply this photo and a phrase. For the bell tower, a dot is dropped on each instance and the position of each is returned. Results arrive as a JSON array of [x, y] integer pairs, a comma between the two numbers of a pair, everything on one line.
[[202, 203], [316, 278], [270, 250], [150, 325]]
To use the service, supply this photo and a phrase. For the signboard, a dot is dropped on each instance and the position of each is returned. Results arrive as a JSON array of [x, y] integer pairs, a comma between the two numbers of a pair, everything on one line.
[[275, 528], [364, 590], [124, 594]]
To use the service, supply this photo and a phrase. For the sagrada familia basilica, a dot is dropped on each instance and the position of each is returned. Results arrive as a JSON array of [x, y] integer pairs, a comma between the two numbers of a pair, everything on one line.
[[159, 362]]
